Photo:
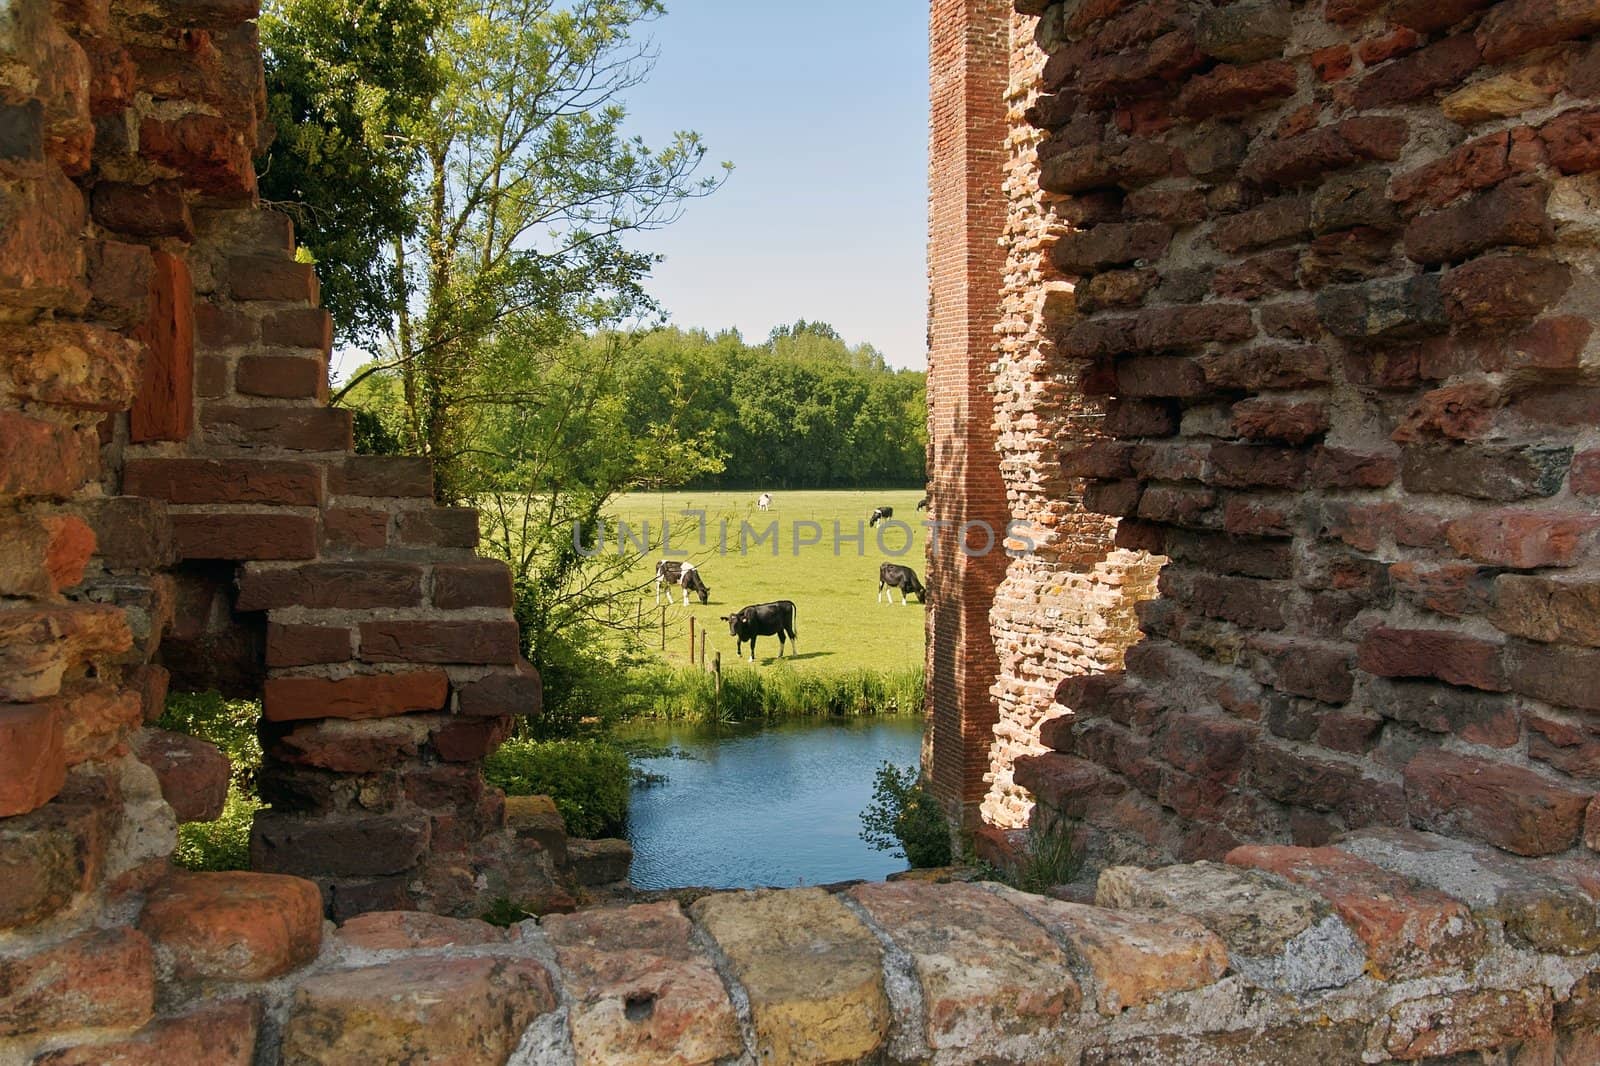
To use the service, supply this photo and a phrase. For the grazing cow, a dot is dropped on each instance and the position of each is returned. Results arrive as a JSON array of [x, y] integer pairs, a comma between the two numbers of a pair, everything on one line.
[[763, 620], [879, 514], [893, 576], [685, 576], [922, 504], [764, 501]]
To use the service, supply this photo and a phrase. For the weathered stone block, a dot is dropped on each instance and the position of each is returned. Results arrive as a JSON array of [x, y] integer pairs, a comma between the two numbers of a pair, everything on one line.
[[234, 926], [1507, 806]]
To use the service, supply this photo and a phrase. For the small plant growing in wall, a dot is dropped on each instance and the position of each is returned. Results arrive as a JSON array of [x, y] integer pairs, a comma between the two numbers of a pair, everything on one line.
[[904, 817]]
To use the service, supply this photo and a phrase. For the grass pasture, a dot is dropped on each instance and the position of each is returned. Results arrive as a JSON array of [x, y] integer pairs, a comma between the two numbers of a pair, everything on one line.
[[841, 627]]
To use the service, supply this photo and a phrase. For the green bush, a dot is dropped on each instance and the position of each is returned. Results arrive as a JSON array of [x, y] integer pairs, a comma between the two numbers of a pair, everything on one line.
[[223, 844], [588, 779], [904, 817]]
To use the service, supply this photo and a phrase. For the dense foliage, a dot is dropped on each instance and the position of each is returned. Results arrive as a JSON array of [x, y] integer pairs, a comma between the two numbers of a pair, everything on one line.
[[588, 780], [904, 817], [231, 725]]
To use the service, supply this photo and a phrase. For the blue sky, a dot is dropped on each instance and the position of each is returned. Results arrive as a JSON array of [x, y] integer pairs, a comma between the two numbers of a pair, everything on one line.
[[822, 108]]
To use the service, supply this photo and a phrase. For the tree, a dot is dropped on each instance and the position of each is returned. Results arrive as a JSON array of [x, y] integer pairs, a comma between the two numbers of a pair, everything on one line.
[[348, 81], [528, 189]]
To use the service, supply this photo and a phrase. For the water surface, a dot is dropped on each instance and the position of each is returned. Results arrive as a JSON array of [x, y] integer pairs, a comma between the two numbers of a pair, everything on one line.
[[779, 805]]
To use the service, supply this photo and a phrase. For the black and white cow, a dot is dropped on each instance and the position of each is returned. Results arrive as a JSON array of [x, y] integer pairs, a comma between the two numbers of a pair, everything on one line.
[[763, 620], [764, 501], [879, 514], [893, 576], [685, 576]]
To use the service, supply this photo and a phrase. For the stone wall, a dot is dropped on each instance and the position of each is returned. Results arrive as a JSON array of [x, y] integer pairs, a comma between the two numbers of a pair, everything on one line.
[[1342, 262], [1066, 606]]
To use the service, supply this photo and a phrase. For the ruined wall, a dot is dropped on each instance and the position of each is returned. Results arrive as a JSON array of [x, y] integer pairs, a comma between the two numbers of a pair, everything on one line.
[[1066, 606], [1343, 256], [969, 42]]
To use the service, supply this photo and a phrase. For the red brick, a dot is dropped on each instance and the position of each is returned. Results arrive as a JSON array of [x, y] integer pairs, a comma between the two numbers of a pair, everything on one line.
[[96, 719], [1438, 66], [218, 1034], [39, 644], [234, 926], [200, 481], [120, 277], [1485, 472], [1572, 141], [267, 277], [1478, 164], [1503, 290], [1343, 469], [355, 528], [352, 586], [44, 459], [33, 763], [1443, 654], [294, 644], [1519, 26], [282, 376], [368, 748], [222, 327], [1110, 244], [1455, 412], [1396, 42], [1237, 90], [1257, 276], [164, 406], [441, 527], [381, 475], [104, 978], [1330, 148], [210, 154], [293, 699], [1585, 479], [376, 845], [1273, 420], [1331, 63], [264, 535], [1455, 590], [1286, 218], [1304, 668], [1565, 676], [309, 327], [439, 642], [1297, 777], [1512, 213], [499, 694], [1566, 746], [1428, 16], [132, 533], [470, 739], [1524, 539], [316, 429], [193, 773], [1409, 929], [1507, 806], [481, 583], [154, 210], [70, 364]]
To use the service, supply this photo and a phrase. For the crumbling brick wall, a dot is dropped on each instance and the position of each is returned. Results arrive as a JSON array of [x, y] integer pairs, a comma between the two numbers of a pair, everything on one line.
[[175, 491], [1066, 606], [1342, 265]]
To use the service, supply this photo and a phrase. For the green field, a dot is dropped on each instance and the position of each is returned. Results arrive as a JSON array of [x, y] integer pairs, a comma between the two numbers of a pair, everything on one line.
[[841, 627]]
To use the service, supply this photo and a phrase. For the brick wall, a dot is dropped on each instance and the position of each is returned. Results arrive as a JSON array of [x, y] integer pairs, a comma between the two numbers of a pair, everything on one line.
[[969, 45], [1339, 267], [174, 492], [1066, 606]]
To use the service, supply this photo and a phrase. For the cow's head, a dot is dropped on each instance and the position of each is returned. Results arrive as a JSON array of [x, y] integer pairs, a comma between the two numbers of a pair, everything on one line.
[[733, 621], [705, 593]]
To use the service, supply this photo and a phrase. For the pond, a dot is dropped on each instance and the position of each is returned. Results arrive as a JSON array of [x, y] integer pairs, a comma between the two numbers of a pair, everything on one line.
[[778, 805]]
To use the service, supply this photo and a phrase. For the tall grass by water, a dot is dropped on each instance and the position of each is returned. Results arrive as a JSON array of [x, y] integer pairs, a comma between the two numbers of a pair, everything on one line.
[[771, 693]]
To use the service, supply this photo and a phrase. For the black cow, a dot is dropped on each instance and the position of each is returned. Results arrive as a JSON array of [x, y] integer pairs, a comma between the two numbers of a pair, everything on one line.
[[685, 576], [763, 620], [879, 514], [893, 576], [922, 504]]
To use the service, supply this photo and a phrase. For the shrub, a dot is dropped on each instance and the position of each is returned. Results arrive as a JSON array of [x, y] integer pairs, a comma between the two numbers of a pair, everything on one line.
[[588, 779], [1051, 858], [223, 844], [904, 817]]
